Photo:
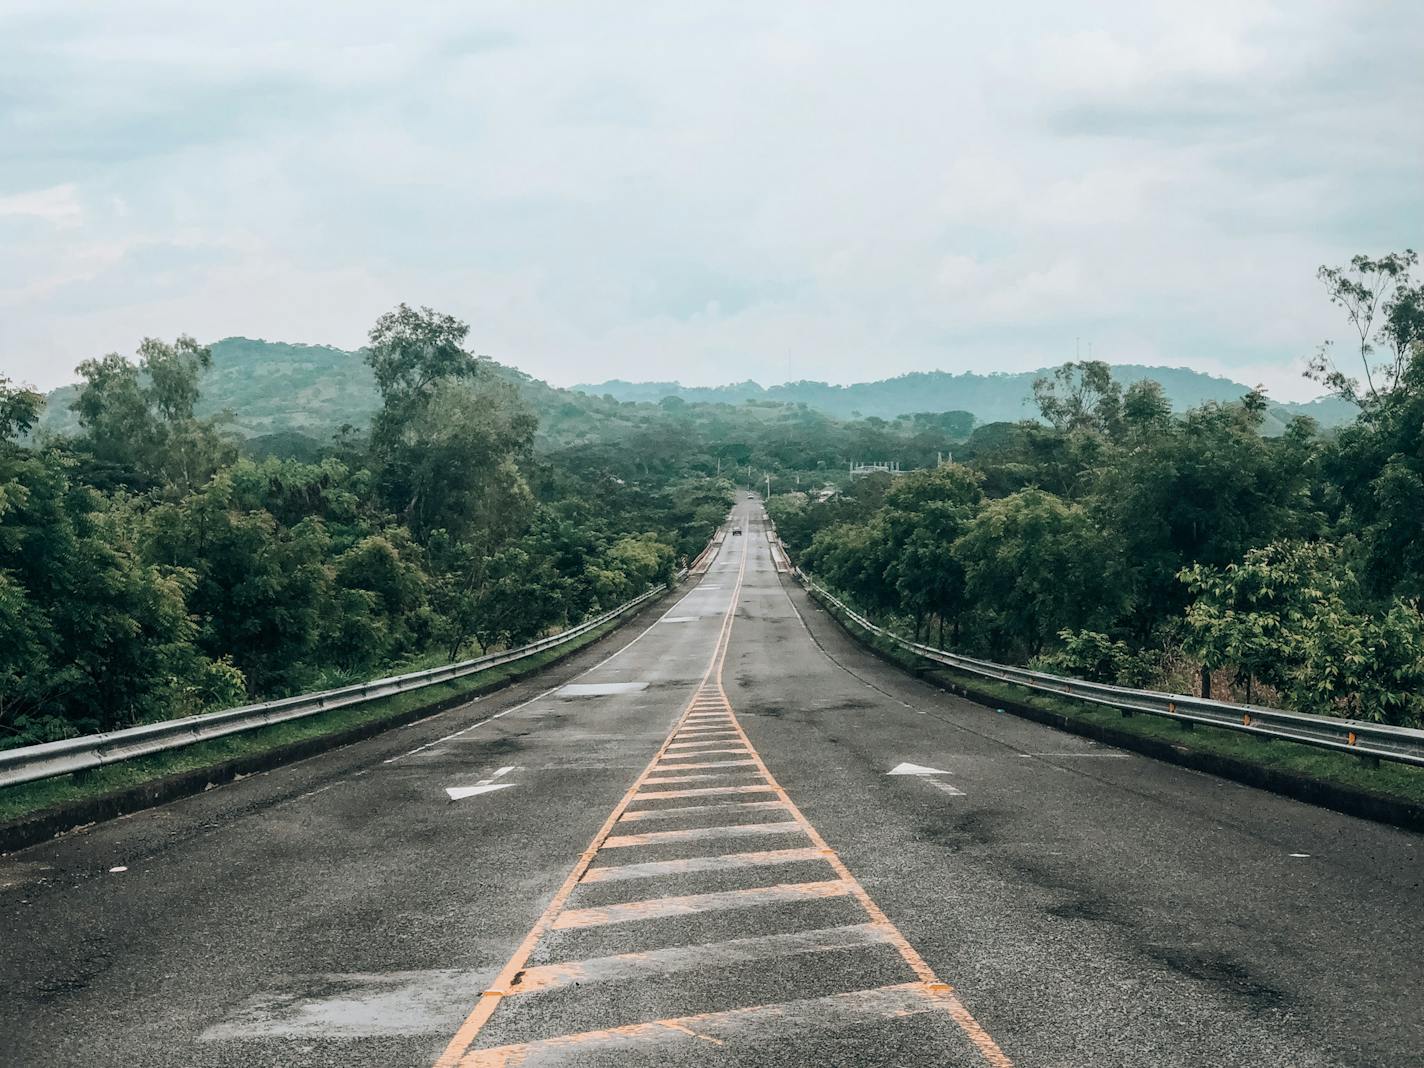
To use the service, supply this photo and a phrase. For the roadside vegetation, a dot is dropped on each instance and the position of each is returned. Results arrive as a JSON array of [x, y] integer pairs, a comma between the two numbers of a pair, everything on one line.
[[1293, 760], [17, 802], [149, 569], [1112, 540], [159, 558]]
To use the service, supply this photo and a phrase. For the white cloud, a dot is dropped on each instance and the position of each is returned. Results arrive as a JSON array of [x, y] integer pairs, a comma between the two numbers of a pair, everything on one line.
[[58, 205], [706, 191]]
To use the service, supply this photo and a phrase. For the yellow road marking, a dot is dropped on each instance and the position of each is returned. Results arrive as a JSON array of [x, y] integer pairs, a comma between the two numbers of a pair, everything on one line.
[[689, 810], [887, 1002], [719, 862], [691, 904], [735, 830]]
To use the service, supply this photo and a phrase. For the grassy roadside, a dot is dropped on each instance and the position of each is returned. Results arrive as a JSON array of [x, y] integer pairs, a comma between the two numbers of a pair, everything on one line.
[[18, 802], [1396, 782]]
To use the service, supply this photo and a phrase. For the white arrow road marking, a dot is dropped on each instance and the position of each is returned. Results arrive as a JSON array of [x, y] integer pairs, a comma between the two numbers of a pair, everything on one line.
[[484, 786], [922, 772], [459, 793], [914, 769]]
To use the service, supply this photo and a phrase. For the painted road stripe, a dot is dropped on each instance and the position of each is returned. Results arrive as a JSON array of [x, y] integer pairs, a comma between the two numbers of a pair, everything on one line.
[[694, 810], [700, 745], [701, 775], [759, 1023], [707, 764], [635, 966], [658, 908], [702, 791], [698, 754], [945, 788], [720, 862], [723, 737], [689, 834], [929, 990]]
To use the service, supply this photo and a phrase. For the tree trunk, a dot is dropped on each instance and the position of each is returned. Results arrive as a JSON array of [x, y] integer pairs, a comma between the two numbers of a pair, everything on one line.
[[1206, 682]]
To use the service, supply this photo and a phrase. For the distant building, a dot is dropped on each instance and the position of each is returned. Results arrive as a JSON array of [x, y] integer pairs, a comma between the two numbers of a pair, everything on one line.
[[871, 467]]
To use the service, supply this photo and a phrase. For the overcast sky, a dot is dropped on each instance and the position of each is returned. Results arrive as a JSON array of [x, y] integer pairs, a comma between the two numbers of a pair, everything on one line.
[[707, 191]]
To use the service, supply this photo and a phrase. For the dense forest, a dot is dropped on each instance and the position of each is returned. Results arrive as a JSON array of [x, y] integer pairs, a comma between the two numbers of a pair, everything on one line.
[[150, 569], [159, 557], [1115, 541], [996, 397]]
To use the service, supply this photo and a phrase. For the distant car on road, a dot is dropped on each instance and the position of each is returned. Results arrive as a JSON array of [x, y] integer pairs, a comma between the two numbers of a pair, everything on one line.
[[736, 530]]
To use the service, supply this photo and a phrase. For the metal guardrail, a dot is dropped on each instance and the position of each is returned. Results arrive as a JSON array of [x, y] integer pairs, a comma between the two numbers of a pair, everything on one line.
[[48, 759], [1377, 741]]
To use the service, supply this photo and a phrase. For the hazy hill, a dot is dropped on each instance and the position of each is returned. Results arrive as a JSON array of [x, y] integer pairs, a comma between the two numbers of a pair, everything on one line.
[[272, 387], [269, 386], [278, 393], [992, 397]]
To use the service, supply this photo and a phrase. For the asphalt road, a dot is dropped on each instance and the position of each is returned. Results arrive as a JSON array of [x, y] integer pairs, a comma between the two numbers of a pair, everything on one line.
[[696, 855]]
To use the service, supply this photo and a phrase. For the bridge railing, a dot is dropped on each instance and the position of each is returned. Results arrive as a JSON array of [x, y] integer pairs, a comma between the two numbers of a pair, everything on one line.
[[1375, 741], [48, 759]]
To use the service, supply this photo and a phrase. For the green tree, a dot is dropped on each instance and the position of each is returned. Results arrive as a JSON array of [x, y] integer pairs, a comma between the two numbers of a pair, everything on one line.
[[1248, 614], [924, 513], [92, 636], [1373, 473], [1035, 565], [1383, 307], [1202, 489], [138, 419], [1080, 396], [261, 591], [1367, 666], [1092, 655], [20, 409]]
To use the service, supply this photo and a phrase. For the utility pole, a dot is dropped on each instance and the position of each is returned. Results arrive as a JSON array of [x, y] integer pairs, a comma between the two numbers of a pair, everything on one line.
[[768, 484]]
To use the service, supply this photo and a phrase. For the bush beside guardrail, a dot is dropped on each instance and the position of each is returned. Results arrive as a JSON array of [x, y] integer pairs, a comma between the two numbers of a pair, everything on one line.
[[1372, 741], [32, 763]]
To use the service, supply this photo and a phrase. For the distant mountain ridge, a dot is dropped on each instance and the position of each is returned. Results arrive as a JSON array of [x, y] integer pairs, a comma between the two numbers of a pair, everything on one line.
[[992, 398], [273, 387]]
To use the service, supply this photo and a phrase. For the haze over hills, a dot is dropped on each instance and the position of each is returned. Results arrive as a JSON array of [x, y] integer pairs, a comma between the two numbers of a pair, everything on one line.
[[998, 397], [274, 387]]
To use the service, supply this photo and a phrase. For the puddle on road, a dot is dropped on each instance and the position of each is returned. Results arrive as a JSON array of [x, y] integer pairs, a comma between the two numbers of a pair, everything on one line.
[[355, 1005]]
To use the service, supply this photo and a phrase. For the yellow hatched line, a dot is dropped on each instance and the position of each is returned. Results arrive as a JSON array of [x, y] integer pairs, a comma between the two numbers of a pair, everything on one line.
[[930, 991]]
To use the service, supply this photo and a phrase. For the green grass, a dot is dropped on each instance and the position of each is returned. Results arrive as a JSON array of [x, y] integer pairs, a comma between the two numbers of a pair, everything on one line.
[[1398, 781], [28, 798]]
